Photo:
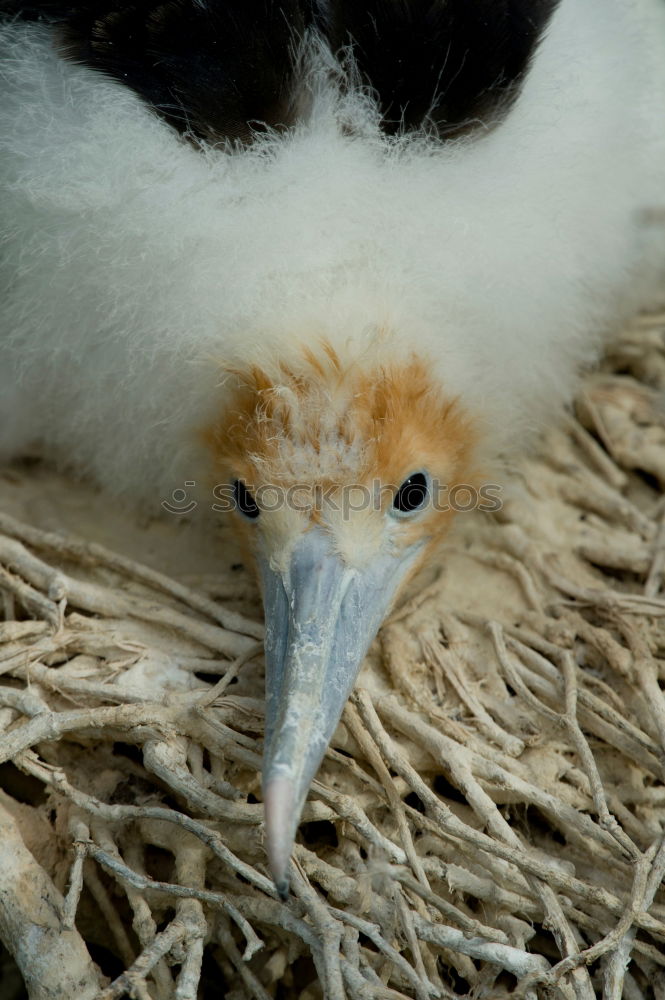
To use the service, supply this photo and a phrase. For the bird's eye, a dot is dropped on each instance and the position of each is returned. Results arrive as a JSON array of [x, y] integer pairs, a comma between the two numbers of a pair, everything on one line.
[[245, 502], [412, 496]]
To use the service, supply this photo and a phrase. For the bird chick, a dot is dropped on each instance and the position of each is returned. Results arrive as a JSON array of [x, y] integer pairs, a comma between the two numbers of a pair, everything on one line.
[[346, 461], [335, 268]]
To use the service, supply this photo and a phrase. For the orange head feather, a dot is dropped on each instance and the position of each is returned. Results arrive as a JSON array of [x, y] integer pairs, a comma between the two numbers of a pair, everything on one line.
[[316, 429]]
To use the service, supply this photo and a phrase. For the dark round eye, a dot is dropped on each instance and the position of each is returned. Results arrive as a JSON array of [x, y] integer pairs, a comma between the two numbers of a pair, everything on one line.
[[245, 502], [412, 495]]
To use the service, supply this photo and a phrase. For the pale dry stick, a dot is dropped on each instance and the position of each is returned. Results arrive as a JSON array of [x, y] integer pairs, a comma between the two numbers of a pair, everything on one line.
[[399, 763], [202, 665], [656, 572], [461, 963], [600, 639], [133, 978], [166, 758], [467, 837], [11, 631], [227, 710], [30, 598], [8, 606], [98, 636], [354, 956], [607, 820], [142, 922], [71, 901], [142, 882], [332, 880], [268, 911], [596, 637], [647, 454], [611, 940], [406, 919], [370, 750], [358, 773], [190, 866], [589, 493], [651, 320], [467, 766], [593, 706], [262, 910], [603, 462], [93, 554], [514, 960], [107, 602], [595, 715], [382, 913], [393, 640], [194, 758], [420, 598], [529, 908], [566, 937], [225, 741], [27, 701], [53, 960], [362, 989], [461, 880], [130, 813], [567, 720], [253, 987], [238, 587], [619, 958], [139, 723], [487, 809], [329, 933], [469, 925], [626, 557], [580, 742], [220, 687], [646, 673], [521, 631], [346, 808], [448, 661], [360, 977], [608, 600], [351, 949], [99, 893], [372, 976], [66, 685], [488, 889]]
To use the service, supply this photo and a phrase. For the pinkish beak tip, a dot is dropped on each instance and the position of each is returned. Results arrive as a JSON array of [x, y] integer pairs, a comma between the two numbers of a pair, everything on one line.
[[279, 804]]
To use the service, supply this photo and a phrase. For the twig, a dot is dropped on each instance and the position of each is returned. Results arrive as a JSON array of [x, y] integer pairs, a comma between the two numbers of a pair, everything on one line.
[[134, 977], [53, 960]]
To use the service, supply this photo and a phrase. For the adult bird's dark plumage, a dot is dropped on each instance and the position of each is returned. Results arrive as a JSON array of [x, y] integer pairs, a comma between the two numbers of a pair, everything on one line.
[[327, 250]]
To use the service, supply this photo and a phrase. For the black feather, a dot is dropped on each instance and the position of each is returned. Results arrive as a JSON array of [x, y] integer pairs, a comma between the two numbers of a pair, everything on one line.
[[212, 68], [226, 68], [447, 61]]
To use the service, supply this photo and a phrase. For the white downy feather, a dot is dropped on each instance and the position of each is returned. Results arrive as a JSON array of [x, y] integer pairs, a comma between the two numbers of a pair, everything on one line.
[[134, 266]]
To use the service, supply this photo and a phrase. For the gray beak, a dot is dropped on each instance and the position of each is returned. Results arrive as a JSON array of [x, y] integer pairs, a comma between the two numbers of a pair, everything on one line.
[[321, 616]]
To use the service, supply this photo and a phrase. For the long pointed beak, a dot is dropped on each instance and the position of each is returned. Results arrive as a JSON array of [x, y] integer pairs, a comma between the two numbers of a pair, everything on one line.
[[321, 616]]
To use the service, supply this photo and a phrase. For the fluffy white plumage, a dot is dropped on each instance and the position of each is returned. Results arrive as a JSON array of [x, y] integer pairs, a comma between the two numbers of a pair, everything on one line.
[[134, 266]]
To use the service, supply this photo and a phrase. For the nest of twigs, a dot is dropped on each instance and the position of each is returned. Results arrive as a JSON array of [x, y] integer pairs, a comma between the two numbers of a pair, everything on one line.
[[488, 822]]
